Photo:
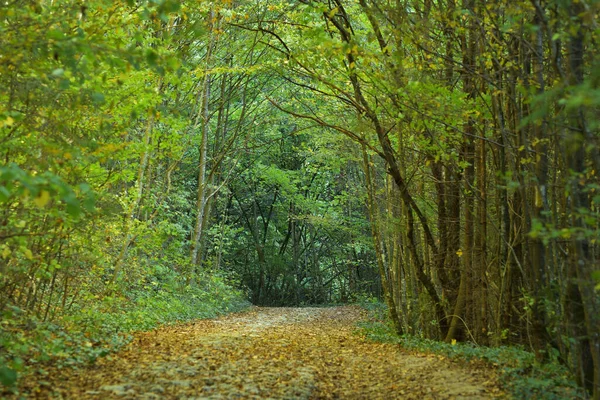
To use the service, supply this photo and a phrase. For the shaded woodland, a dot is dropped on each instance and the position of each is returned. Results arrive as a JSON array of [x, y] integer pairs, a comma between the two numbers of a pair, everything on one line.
[[441, 155]]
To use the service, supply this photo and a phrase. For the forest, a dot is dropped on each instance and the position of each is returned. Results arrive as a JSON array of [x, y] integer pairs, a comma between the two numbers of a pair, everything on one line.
[[167, 160]]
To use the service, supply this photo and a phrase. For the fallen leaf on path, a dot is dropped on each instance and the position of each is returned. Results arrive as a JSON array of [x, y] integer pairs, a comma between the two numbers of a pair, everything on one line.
[[281, 353]]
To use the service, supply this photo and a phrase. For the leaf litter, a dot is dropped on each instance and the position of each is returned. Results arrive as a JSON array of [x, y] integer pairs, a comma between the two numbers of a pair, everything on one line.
[[268, 353]]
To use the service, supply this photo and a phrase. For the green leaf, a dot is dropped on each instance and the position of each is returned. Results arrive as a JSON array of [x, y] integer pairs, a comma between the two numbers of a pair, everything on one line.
[[55, 34], [169, 6], [89, 200], [72, 204], [4, 194], [98, 98], [151, 57], [64, 84], [8, 377]]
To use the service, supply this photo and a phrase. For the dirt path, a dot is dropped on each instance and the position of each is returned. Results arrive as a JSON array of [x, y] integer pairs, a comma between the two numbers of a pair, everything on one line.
[[277, 353]]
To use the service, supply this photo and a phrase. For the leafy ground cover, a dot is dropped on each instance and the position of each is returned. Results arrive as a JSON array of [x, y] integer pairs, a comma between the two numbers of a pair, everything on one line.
[[518, 372], [284, 353]]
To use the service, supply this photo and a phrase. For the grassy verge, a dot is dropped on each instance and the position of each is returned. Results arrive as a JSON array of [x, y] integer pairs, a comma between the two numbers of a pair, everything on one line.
[[100, 326], [520, 374]]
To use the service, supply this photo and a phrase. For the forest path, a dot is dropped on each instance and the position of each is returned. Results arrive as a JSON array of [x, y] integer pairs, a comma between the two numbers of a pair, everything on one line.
[[278, 353]]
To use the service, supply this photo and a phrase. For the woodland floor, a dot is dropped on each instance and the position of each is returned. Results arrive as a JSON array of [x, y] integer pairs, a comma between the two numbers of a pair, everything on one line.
[[278, 353]]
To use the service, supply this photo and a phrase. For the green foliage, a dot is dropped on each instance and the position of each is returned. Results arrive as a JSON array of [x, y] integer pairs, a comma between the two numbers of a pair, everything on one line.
[[8, 376], [295, 215], [17, 185], [377, 310]]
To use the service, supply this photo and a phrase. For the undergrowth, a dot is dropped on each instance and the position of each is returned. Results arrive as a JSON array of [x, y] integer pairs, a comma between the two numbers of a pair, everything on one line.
[[100, 326], [520, 374]]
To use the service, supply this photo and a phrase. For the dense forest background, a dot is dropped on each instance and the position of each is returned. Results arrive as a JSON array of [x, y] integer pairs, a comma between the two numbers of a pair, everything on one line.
[[440, 154]]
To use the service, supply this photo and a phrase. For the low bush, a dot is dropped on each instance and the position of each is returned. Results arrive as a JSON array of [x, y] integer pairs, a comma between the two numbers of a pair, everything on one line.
[[94, 329]]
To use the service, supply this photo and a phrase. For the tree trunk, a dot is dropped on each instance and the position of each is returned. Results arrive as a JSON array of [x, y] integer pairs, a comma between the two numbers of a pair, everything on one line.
[[202, 122], [375, 230]]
